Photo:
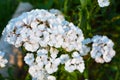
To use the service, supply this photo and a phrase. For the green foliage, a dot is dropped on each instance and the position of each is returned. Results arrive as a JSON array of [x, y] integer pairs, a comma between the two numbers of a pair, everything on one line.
[[91, 19], [28, 77], [1, 77]]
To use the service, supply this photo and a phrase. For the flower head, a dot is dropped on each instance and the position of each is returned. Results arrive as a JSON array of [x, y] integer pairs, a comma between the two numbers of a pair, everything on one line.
[[49, 39], [77, 63], [103, 3], [102, 49]]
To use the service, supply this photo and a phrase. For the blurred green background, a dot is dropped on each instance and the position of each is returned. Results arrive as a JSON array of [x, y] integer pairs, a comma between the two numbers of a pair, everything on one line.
[[103, 21]]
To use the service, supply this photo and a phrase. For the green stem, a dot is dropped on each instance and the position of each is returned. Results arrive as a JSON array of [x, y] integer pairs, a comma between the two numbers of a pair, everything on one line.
[[117, 75], [83, 16], [65, 6], [86, 72], [84, 19]]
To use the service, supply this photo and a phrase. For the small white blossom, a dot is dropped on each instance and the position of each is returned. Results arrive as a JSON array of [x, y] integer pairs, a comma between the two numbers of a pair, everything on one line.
[[59, 40], [99, 60], [31, 46], [3, 61], [84, 51], [11, 39], [51, 78], [103, 3], [29, 58], [42, 60], [36, 72], [57, 13], [69, 66], [87, 41], [64, 58], [52, 65], [75, 55], [53, 52], [42, 52]]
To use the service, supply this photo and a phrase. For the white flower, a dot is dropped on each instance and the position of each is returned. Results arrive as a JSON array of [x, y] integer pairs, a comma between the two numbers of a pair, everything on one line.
[[29, 59], [75, 55], [59, 40], [69, 66], [31, 46], [3, 61], [18, 42], [52, 40], [52, 65], [70, 48], [11, 38], [60, 29], [41, 28], [99, 60], [42, 76], [33, 38], [44, 40], [109, 54], [87, 41], [75, 64], [57, 13], [23, 33], [64, 58], [53, 52], [102, 49], [84, 51], [103, 3], [42, 52], [35, 71], [51, 78], [42, 60]]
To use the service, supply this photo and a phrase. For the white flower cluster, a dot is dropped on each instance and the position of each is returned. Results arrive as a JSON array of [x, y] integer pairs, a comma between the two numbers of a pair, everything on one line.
[[103, 3], [44, 33], [77, 63], [102, 49], [2, 60]]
